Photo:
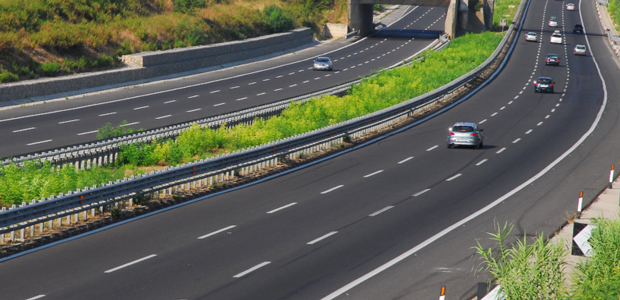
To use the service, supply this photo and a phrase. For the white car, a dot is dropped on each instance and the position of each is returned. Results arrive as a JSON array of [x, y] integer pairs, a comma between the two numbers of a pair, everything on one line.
[[556, 37], [570, 6], [580, 50], [531, 36], [553, 21]]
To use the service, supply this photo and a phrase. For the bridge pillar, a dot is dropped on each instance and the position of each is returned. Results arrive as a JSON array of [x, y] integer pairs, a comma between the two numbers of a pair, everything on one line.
[[360, 17]]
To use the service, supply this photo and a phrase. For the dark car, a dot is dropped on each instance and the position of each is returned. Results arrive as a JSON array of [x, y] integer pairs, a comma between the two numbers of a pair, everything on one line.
[[578, 28], [543, 84], [552, 59]]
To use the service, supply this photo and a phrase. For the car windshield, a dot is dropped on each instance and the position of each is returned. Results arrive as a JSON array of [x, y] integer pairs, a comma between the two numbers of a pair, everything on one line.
[[577, 26], [553, 18], [544, 80], [531, 34], [322, 59], [557, 35], [552, 56], [580, 47], [463, 129]]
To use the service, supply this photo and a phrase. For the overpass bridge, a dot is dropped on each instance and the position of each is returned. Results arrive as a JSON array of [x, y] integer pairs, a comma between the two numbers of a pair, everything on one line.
[[462, 15]]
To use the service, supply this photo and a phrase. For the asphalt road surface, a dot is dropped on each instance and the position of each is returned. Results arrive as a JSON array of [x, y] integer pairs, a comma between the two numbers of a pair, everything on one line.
[[395, 219]]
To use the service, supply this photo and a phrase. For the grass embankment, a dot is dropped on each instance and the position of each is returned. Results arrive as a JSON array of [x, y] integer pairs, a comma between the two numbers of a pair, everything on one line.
[[535, 271], [384, 90], [614, 12], [56, 37], [504, 9]]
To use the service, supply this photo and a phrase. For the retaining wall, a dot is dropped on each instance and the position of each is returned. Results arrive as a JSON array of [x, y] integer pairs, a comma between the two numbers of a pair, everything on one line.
[[159, 63]]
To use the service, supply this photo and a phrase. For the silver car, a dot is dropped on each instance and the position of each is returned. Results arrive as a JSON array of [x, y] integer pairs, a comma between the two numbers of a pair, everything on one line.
[[580, 50], [465, 134], [323, 63], [553, 21], [531, 36]]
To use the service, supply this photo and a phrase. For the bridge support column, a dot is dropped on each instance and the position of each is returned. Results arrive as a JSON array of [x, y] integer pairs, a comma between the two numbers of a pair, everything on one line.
[[360, 17]]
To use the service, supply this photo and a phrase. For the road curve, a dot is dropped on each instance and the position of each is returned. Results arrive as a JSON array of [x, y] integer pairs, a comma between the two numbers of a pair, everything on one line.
[[63, 123], [309, 233]]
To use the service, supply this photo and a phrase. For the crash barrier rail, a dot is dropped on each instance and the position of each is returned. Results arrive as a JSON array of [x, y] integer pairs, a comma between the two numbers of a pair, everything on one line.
[[217, 169], [105, 151]]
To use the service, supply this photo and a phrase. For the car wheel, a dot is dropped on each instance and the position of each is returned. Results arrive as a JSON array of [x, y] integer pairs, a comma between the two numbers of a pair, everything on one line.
[[449, 146]]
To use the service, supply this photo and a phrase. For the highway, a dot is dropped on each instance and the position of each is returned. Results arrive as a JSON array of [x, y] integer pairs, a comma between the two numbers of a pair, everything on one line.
[[63, 123], [403, 206]]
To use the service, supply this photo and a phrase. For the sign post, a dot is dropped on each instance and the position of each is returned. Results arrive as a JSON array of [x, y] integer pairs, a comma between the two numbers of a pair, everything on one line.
[[502, 23]]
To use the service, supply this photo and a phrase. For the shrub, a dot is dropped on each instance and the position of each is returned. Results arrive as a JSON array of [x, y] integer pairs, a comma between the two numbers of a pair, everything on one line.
[[109, 131], [51, 68], [188, 5], [8, 77], [278, 21]]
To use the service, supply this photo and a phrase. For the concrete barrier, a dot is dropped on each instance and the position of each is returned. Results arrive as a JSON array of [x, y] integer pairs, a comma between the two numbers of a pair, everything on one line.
[[147, 65]]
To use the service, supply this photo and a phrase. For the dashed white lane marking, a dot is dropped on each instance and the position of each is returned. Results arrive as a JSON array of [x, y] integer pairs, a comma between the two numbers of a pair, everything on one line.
[[214, 105], [266, 79], [375, 173], [88, 132], [332, 189], [261, 94], [328, 75], [25, 129], [481, 162], [547, 116], [195, 109], [345, 69], [129, 124], [553, 110], [243, 98], [431, 148], [529, 131], [39, 142], [482, 121], [306, 81], [252, 269], [500, 150], [404, 160], [280, 76], [68, 121], [130, 263], [502, 108], [171, 101], [322, 237], [381, 211], [216, 91], [421, 192], [454, 177], [216, 232], [293, 85], [234, 87], [277, 90], [494, 114], [36, 297], [163, 117], [516, 141], [337, 72], [292, 73], [252, 83], [282, 207], [539, 123], [110, 113], [143, 107], [300, 71], [557, 105], [509, 102], [317, 78]]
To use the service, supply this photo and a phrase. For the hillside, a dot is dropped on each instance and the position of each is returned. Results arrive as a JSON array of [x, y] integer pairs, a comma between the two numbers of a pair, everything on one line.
[[57, 37]]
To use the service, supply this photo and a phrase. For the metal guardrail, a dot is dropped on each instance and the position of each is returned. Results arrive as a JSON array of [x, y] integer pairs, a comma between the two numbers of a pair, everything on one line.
[[39, 211], [105, 151]]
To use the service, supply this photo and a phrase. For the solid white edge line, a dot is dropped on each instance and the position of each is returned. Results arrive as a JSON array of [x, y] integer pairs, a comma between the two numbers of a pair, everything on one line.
[[252, 269], [282, 207], [431, 148], [332, 189], [491, 205], [322, 238], [481, 162], [130, 263], [39, 142], [381, 211], [454, 177], [375, 173], [36, 297], [216, 232], [421, 192], [405, 160]]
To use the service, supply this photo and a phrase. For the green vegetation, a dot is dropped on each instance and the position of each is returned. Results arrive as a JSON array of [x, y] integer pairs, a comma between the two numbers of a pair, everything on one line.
[[59, 37], [535, 271], [386, 89], [108, 131], [503, 10], [614, 12]]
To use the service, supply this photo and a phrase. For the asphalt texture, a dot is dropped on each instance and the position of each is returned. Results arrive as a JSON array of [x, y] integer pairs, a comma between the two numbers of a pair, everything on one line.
[[310, 233], [62, 123]]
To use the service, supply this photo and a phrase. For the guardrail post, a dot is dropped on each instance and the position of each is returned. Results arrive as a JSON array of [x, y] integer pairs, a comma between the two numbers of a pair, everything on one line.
[[12, 234], [21, 233]]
